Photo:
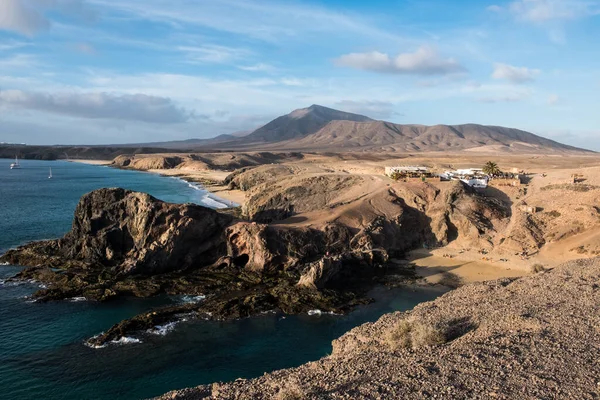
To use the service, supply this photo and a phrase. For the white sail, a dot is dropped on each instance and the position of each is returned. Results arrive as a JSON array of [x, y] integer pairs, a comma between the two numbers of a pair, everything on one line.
[[16, 164], [50, 176]]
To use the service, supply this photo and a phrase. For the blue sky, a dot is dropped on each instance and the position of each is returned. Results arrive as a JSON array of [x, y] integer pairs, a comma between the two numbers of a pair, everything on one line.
[[108, 71]]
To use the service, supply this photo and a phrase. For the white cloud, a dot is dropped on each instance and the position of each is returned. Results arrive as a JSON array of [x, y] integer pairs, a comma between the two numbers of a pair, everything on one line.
[[370, 108], [211, 53], [261, 67], [28, 17], [267, 20], [19, 61], [12, 45], [21, 16], [494, 8], [425, 61], [136, 107], [553, 99], [507, 98], [516, 75], [553, 10]]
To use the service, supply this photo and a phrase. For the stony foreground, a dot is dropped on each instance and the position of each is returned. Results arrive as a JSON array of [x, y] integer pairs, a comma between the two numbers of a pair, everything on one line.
[[533, 338]]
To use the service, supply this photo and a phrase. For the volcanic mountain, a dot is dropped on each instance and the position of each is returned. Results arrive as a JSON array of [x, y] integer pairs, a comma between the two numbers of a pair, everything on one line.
[[300, 123], [318, 128]]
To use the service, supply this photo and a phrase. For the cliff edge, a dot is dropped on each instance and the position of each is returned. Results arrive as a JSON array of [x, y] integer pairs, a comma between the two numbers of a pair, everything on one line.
[[535, 337]]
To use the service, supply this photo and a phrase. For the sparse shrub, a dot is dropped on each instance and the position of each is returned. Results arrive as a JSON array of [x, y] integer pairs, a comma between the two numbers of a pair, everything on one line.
[[537, 268], [580, 250], [396, 176], [292, 391], [554, 214], [571, 187], [426, 335], [410, 334], [400, 336]]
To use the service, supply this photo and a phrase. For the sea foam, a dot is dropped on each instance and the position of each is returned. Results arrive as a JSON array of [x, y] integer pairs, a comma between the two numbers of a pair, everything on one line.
[[319, 312], [126, 340], [163, 330], [192, 299]]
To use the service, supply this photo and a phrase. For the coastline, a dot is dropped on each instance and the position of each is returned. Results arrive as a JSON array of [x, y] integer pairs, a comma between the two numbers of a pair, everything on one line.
[[209, 180], [91, 162]]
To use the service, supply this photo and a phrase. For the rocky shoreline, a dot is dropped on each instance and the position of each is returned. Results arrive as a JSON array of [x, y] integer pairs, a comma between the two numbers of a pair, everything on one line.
[[528, 338], [124, 243]]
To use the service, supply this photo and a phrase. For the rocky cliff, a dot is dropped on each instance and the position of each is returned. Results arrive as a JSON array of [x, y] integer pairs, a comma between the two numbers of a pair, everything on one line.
[[124, 243]]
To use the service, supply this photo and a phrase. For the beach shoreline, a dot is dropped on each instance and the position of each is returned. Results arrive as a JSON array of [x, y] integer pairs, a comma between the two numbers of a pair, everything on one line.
[[91, 162], [208, 180], [464, 268]]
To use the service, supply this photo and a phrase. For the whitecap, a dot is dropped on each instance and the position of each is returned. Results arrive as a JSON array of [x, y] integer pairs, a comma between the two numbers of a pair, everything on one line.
[[192, 299], [126, 340], [77, 299], [4, 264], [162, 330], [212, 202], [319, 312], [94, 346]]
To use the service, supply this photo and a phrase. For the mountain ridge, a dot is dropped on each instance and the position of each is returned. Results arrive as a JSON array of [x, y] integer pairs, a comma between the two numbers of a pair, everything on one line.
[[319, 128]]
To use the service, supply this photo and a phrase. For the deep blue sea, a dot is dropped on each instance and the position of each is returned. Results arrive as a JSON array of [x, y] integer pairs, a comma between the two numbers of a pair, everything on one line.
[[42, 354]]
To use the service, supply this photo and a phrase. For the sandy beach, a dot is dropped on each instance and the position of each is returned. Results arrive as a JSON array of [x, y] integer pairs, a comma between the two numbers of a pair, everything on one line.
[[457, 270], [92, 162], [210, 180]]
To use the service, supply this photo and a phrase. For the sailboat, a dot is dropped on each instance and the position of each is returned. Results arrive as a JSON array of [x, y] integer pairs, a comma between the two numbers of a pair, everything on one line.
[[16, 164], [50, 176]]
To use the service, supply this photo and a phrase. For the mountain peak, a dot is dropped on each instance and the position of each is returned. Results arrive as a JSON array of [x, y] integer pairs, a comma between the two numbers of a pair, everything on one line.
[[302, 122]]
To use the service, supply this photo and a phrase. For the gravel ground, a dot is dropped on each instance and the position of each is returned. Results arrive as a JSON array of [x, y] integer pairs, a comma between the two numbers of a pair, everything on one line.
[[536, 337]]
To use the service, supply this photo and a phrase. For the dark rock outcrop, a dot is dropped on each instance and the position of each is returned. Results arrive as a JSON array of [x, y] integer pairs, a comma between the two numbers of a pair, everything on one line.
[[130, 233], [124, 243]]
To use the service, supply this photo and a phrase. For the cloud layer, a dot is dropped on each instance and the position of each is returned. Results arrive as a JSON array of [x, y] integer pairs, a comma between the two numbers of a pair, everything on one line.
[[516, 75], [425, 61], [27, 17], [553, 10], [136, 107]]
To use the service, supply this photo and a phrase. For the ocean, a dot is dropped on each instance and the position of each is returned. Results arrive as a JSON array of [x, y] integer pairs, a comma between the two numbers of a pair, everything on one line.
[[42, 351]]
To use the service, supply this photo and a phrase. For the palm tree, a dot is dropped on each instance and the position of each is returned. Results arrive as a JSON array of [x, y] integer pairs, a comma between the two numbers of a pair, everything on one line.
[[491, 168]]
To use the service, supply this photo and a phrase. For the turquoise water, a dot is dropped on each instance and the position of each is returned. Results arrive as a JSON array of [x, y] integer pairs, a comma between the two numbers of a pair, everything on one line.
[[42, 354]]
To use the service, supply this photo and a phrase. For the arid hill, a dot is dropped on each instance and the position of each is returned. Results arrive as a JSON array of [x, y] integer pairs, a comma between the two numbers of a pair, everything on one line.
[[536, 337], [389, 137]]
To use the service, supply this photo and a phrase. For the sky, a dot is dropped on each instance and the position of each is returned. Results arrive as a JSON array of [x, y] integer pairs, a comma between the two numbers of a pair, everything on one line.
[[126, 71]]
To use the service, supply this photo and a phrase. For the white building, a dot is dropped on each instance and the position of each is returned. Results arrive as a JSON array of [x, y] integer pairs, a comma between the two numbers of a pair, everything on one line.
[[473, 177], [409, 170]]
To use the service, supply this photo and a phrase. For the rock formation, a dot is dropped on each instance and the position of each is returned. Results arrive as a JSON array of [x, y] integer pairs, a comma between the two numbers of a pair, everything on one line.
[[132, 233], [124, 243]]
